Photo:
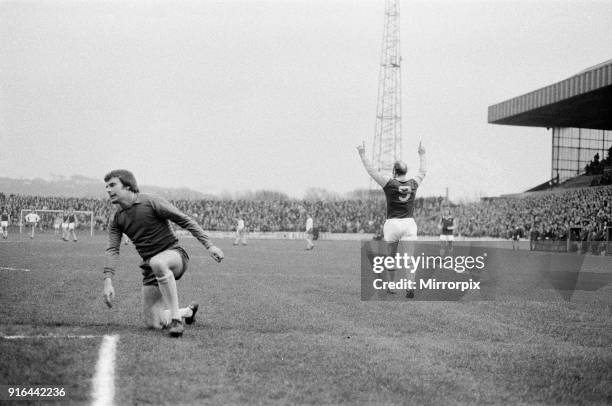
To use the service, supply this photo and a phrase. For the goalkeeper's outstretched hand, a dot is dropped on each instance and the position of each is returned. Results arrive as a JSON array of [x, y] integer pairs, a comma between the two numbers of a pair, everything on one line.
[[109, 292], [216, 253]]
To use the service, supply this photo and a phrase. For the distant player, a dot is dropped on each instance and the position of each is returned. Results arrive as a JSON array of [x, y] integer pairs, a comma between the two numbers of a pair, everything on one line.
[[145, 219], [400, 192], [309, 233], [5, 218], [65, 225], [72, 223], [240, 232], [447, 229], [32, 219], [57, 223], [515, 234]]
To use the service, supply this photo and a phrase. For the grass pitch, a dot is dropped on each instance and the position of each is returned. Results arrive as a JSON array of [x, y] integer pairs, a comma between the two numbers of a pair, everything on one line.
[[280, 325]]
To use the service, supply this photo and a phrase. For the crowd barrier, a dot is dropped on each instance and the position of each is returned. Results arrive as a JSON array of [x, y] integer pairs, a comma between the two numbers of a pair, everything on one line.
[[576, 243]]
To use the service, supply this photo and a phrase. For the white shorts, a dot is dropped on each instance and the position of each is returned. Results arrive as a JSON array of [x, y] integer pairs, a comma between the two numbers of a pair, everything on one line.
[[400, 230], [70, 226], [447, 237], [3, 224], [64, 226], [56, 226]]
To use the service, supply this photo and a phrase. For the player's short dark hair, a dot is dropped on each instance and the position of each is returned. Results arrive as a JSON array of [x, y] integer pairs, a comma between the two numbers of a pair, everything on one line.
[[400, 168], [126, 177]]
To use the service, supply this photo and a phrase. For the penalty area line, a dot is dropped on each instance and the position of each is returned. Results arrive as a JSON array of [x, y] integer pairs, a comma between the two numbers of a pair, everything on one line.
[[40, 336], [8, 268], [103, 391]]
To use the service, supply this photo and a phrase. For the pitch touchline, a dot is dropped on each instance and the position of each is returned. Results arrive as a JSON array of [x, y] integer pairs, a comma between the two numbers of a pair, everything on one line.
[[103, 391]]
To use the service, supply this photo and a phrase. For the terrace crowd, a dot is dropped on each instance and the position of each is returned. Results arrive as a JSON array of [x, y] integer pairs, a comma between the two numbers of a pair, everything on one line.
[[549, 215]]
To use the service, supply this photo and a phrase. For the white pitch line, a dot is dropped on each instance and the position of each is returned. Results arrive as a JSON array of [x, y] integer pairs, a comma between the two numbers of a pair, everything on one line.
[[22, 337], [103, 391], [8, 268]]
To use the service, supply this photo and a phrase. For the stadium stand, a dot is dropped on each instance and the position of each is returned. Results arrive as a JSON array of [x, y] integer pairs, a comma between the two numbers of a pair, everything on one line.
[[541, 215]]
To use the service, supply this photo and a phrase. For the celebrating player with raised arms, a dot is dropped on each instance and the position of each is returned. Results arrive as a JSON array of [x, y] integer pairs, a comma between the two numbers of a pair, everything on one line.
[[144, 219], [400, 192]]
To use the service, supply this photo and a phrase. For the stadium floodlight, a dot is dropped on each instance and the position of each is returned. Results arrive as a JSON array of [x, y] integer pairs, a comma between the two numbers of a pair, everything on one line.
[[387, 146], [54, 213]]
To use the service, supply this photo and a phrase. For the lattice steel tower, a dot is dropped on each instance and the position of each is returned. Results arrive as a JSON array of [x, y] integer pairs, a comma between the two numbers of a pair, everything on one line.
[[387, 146]]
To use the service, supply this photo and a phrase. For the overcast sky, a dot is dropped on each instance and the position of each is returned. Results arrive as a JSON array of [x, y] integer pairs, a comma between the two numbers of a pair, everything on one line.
[[246, 95]]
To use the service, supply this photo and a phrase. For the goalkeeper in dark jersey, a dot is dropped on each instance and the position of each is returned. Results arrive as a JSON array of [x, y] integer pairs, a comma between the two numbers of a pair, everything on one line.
[[145, 220], [400, 192]]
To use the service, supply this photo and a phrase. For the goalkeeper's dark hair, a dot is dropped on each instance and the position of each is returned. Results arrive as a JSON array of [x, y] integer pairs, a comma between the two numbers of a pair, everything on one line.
[[126, 177]]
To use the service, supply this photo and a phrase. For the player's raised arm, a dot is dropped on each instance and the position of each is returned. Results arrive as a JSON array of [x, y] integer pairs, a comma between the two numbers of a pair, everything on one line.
[[379, 177], [168, 211], [422, 165]]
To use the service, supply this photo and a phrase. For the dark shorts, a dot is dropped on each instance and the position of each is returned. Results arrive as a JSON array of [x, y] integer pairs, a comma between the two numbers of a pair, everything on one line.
[[148, 278]]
